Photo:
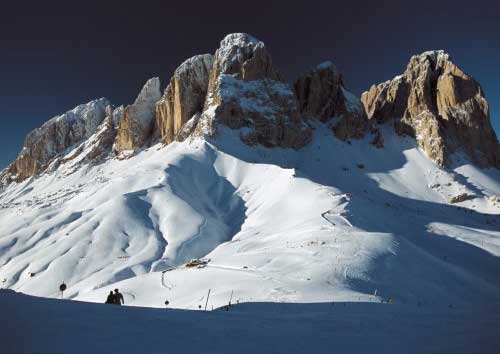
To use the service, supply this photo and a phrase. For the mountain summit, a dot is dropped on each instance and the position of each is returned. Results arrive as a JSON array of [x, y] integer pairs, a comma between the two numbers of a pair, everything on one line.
[[238, 87], [236, 181], [444, 108]]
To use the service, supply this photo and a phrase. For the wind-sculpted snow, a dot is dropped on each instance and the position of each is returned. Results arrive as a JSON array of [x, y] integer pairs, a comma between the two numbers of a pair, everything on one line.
[[360, 224], [110, 227], [203, 192], [251, 198]]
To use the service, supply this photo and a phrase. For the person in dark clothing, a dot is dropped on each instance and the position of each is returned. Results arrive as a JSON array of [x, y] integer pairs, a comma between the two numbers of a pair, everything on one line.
[[111, 298], [118, 298]]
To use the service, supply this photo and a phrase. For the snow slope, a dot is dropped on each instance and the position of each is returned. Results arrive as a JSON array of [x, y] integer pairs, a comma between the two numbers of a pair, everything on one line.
[[51, 326], [332, 221]]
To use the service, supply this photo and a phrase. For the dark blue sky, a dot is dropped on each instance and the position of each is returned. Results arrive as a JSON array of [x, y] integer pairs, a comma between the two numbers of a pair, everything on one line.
[[55, 55]]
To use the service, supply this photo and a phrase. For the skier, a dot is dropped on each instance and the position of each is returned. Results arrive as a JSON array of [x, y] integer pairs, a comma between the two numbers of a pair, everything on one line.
[[111, 298], [118, 298]]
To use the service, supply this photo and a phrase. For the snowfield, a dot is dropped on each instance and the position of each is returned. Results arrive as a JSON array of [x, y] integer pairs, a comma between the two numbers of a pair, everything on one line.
[[46, 326], [332, 222]]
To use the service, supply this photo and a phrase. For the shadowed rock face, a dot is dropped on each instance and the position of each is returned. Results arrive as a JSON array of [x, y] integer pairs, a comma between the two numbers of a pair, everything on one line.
[[321, 95], [246, 92], [136, 124], [441, 105], [183, 98]]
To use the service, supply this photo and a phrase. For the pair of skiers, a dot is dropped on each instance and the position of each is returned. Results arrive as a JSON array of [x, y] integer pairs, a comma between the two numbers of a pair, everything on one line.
[[115, 298]]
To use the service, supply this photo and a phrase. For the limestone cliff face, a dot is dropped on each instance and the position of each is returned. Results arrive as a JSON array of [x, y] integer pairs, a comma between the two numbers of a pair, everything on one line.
[[101, 143], [238, 88], [136, 124], [321, 95], [441, 105], [183, 98], [245, 58], [54, 137], [245, 92], [93, 150]]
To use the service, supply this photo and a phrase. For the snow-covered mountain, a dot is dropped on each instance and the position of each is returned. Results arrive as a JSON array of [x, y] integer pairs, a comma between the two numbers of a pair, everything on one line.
[[287, 193]]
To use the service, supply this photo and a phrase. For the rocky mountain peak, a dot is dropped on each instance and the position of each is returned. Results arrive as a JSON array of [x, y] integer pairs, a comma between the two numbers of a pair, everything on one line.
[[436, 57], [245, 57], [321, 95], [246, 91], [54, 137], [184, 97], [136, 123], [317, 91], [444, 108], [239, 88], [150, 94], [195, 67]]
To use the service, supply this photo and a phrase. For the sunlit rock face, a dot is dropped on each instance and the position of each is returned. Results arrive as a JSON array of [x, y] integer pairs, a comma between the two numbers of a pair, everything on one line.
[[442, 106], [246, 92], [54, 137], [184, 97], [100, 144], [137, 122], [321, 95], [239, 88]]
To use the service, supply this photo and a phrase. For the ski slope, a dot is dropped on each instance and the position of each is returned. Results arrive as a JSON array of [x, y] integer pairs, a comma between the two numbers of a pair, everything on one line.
[[334, 221], [47, 326]]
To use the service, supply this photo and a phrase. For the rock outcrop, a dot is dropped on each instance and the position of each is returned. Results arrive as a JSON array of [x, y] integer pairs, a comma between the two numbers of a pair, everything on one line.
[[245, 58], [137, 121], [93, 150], [460, 198], [184, 97], [239, 88], [54, 137], [245, 92], [116, 114], [321, 95], [101, 143], [444, 108]]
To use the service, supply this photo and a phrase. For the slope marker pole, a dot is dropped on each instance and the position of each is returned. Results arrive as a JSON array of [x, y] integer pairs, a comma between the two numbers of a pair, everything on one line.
[[206, 303], [62, 287]]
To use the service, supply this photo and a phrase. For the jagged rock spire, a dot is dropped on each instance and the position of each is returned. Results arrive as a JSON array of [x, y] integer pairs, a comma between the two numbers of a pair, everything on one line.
[[441, 105], [245, 91], [53, 137], [136, 124], [244, 56], [239, 88], [183, 97], [321, 95]]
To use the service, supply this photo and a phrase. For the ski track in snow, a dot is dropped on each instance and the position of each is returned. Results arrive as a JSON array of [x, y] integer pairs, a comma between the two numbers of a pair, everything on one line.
[[278, 225]]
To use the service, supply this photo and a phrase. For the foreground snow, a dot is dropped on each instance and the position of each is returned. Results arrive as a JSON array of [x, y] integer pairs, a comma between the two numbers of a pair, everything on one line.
[[333, 221], [53, 326]]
